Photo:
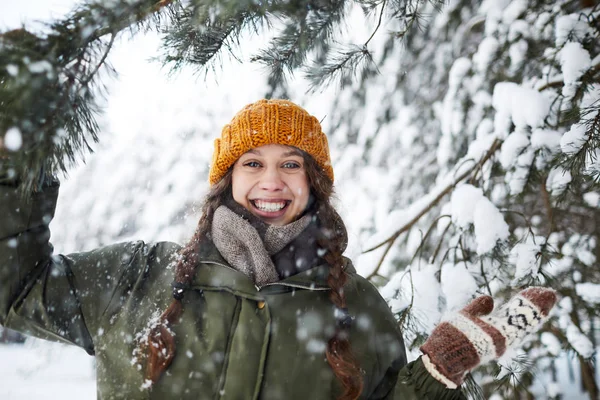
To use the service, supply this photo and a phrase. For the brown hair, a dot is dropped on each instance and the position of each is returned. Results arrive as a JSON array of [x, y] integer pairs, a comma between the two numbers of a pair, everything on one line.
[[160, 346]]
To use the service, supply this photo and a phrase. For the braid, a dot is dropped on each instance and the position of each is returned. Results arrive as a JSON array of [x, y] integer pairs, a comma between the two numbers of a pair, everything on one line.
[[159, 347], [339, 353], [333, 241]]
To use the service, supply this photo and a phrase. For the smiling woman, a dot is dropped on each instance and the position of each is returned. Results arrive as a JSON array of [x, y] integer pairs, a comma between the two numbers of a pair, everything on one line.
[[259, 304]]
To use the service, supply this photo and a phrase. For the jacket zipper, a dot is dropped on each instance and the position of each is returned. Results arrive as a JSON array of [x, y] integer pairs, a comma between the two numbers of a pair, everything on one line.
[[292, 286], [258, 288]]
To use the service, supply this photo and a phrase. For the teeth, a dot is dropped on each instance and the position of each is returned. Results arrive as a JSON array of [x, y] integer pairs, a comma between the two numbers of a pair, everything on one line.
[[269, 206]]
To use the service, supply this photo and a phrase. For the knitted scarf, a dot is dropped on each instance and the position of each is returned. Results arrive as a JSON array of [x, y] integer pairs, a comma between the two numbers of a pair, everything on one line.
[[265, 253]]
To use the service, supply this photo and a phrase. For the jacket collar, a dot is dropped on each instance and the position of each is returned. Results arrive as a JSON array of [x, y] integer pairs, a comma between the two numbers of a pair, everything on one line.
[[214, 273]]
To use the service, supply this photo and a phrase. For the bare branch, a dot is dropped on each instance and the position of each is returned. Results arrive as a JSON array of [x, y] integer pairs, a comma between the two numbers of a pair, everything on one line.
[[378, 23]]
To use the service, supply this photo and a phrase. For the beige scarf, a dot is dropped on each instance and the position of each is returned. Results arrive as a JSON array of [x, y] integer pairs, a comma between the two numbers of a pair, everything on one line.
[[245, 250]]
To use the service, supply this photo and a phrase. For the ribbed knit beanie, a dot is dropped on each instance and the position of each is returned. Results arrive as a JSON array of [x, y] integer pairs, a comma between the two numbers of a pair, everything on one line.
[[269, 122], [476, 334]]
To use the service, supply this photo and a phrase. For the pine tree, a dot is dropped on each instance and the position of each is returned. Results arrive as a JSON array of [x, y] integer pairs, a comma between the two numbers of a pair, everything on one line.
[[482, 119], [445, 129]]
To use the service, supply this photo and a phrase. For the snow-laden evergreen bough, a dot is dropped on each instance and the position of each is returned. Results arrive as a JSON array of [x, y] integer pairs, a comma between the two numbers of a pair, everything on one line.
[[472, 144]]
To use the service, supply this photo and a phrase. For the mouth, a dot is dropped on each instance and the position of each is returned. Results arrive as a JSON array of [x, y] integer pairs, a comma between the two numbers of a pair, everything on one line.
[[270, 208]]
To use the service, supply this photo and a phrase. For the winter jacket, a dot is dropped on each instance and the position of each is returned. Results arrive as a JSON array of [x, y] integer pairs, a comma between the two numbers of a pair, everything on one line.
[[234, 340]]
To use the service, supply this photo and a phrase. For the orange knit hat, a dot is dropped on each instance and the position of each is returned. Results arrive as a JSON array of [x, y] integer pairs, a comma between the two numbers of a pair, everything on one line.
[[269, 122]]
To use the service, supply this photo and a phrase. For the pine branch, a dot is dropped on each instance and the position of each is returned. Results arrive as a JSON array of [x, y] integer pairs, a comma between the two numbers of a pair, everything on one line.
[[577, 163], [378, 24], [48, 87], [407, 12], [472, 389], [306, 30], [345, 65], [518, 374], [199, 33]]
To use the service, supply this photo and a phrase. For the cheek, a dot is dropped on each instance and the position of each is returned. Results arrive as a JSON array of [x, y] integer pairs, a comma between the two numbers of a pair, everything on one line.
[[238, 191], [301, 192]]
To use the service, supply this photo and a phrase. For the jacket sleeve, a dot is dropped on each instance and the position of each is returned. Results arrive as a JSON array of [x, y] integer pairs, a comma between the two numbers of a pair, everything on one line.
[[415, 383], [57, 297]]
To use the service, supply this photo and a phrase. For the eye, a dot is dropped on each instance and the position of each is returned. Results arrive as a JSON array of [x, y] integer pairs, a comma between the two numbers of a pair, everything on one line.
[[291, 165], [252, 164]]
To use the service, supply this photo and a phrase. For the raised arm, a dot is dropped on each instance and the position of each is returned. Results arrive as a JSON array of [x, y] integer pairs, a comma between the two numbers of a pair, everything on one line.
[[65, 298], [28, 271]]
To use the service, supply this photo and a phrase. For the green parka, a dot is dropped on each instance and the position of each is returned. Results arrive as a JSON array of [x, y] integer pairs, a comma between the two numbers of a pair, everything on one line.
[[234, 341]]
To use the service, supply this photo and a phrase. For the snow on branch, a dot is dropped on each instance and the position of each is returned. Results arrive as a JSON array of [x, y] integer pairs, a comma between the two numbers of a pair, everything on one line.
[[437, 194]]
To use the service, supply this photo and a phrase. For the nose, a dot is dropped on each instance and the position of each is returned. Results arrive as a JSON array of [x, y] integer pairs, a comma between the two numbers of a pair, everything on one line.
[[271, 180]]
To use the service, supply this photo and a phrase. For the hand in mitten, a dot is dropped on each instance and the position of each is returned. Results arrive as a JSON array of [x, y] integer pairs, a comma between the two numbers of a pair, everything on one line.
[[10, 157], [476, 335]]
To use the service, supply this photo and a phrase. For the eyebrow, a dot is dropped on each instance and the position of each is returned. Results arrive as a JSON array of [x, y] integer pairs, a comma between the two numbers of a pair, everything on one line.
[[292, 152]]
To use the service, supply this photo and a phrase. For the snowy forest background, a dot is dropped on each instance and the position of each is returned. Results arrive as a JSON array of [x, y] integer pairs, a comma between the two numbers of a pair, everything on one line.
[[466, 152]]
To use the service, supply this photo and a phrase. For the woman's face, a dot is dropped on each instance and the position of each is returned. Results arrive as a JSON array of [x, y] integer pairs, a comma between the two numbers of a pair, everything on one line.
[[270, 181]]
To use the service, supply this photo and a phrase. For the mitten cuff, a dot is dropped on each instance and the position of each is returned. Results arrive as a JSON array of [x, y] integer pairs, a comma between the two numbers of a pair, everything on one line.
[[430, 367], [451, 351]]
